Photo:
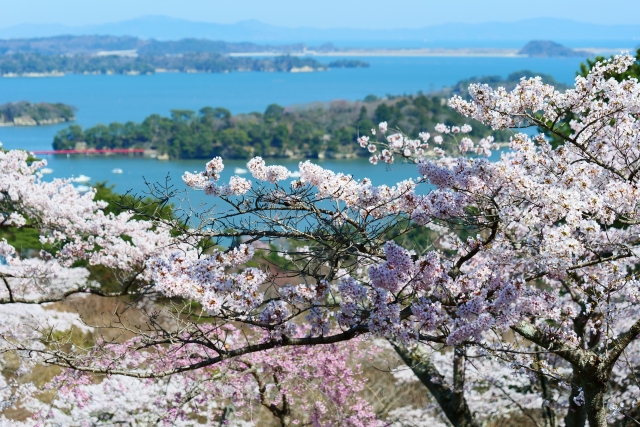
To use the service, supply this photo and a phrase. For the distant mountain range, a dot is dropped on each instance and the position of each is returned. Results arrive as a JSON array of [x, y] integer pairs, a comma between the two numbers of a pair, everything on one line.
[[493, 33]]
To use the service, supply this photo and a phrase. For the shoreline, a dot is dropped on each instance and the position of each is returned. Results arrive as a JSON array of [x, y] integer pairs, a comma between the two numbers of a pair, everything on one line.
[[428, 52], [35, 123], [395, 52], [303, 69], [33, 75]]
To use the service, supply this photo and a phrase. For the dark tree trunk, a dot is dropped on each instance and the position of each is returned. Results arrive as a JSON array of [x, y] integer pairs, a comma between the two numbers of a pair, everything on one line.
[[451, 400], [227, 415], [576, 415], [550, 418], [594, 390]]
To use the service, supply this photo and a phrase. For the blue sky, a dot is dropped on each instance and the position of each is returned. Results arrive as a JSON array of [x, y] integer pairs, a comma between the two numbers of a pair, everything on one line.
[[319, 13]]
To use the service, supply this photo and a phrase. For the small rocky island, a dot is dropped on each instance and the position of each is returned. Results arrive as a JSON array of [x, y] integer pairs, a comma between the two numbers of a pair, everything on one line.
[[25, 113], [545, 49]]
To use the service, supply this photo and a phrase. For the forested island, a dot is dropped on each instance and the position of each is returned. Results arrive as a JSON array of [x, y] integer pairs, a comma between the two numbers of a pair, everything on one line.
[[310, 131], [317, 130], [94, 44], [34, 64], [27, 114]]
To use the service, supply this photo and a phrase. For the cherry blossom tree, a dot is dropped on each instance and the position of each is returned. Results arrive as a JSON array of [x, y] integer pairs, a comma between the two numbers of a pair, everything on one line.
[[549, 253], [295, 386], [524, 266], [74, 228]]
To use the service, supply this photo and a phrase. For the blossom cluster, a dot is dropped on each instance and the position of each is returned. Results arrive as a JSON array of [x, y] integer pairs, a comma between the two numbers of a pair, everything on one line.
[[319, 385], [207, 180], [71, 223], [360, 195], [262, 172], [207, 281], [417, 149]]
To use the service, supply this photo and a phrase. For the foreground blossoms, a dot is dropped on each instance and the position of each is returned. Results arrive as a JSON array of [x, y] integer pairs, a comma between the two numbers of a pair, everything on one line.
[[509, 284]]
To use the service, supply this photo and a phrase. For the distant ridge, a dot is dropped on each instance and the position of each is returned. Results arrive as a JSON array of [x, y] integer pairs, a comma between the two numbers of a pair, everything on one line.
[[544, 48], [166, 28], [68, 44]]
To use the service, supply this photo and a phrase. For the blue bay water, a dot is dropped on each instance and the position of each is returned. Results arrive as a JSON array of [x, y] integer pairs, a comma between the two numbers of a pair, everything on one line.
[[105, 99]]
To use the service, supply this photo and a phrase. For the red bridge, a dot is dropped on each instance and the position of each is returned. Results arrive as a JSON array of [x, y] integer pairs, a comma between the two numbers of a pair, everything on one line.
[[93, 151]]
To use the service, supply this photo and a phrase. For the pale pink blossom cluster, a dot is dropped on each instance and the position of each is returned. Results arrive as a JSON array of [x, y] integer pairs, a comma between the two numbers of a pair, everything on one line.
[[207, 280], [362, 196], [270, 174], [491, 389], [207, 181], [441, 128], [484, 147], [501, 109], [72, 223], [399, 143], [395, 272], [417, 149], [319, 385], [35, 278], [363, 141]]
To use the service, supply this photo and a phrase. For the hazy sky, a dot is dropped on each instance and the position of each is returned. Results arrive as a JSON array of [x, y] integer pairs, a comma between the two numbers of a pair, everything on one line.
[[319, 13]]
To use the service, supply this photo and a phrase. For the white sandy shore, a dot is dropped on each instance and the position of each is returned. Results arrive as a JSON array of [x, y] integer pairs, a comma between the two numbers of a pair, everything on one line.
[[35, 75], [395, 52], [466, 52]]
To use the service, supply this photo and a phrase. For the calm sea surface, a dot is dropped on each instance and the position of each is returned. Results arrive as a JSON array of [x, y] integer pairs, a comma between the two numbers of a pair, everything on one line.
[[105, 99]]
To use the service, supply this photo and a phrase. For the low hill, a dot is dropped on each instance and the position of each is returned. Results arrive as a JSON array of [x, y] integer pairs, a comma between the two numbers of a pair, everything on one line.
[[545, 48]]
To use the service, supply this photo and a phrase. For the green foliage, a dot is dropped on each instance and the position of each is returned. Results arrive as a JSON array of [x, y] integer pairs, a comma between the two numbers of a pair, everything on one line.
[[311, 131], [119, 203], [405, 233], [25, 240]]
